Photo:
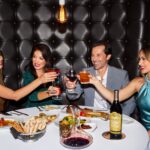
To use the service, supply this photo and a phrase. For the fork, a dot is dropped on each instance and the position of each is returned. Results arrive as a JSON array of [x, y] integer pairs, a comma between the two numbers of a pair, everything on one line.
[[39, 108]]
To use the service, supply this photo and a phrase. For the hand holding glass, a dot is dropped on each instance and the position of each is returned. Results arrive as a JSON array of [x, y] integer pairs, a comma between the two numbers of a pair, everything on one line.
[[84, 76], [71, 81], [56, 85]]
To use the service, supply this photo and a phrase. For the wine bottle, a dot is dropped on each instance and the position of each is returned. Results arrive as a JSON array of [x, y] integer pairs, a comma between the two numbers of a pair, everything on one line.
[[116, 118]]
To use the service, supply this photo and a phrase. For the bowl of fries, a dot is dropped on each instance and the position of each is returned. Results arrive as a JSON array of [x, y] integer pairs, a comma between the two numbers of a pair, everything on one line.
[[28, 137], [29, 131]]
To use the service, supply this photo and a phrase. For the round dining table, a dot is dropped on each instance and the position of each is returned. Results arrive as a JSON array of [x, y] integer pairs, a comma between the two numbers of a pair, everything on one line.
[[136, 136]]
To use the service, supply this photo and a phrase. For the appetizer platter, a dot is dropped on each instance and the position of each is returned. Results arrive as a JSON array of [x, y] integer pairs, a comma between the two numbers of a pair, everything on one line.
[[87, 112]]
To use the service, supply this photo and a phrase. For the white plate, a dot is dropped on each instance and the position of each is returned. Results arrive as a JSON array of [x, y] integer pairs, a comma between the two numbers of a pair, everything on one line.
[[127, 120], [49, 107], [92, 125]]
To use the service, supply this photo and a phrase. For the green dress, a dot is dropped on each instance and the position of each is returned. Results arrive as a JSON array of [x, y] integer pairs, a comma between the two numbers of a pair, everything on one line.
[[32, 98]]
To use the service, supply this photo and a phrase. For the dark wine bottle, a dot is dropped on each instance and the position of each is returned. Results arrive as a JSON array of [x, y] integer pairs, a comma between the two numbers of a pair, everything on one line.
[[116, 118]]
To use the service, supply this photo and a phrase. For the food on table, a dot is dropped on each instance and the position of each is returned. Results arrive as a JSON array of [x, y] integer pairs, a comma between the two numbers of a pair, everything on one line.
[[87, 112], [5, 122], [96, 114], [84, 126], [49, 118], [70, 120], [49, 107], [16, 125], [31, 125]]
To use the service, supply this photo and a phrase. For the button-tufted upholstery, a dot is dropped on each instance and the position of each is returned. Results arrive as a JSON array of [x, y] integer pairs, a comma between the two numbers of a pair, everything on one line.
[[124, 23]]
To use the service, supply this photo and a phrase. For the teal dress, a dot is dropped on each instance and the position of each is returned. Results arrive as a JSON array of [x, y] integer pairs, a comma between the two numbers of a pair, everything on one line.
[[32, 98], [143, 102]]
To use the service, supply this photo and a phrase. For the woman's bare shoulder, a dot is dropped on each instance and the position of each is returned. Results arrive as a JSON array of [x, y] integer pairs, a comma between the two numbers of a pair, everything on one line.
[[138, 82], [138, 79]]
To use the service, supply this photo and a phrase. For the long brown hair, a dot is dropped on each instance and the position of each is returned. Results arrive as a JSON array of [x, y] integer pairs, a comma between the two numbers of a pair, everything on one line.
[[46, 53], [3, 102], [1, 70]]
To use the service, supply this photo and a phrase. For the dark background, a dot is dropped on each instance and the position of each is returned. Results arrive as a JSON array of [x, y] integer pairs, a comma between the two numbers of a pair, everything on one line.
[[124, 23]]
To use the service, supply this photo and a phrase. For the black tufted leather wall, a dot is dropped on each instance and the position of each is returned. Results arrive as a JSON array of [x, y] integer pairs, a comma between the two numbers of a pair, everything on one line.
[[124, 23]]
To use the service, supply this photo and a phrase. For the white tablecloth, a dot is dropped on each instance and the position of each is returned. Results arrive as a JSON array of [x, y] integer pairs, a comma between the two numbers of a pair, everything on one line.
[[136, 137]]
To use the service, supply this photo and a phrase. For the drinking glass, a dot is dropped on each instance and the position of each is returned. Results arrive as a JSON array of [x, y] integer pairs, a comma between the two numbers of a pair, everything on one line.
[[71, 75], [84, 76], [52, 91], [58, 83]]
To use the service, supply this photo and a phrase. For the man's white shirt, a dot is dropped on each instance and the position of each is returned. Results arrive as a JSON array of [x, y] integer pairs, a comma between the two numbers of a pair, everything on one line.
[[99, 101]]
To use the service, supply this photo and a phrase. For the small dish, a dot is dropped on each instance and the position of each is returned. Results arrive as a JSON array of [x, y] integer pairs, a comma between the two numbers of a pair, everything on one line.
[[89, 126]]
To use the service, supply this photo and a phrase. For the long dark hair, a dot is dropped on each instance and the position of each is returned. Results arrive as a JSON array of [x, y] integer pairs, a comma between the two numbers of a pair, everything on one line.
[[1, 70], [46, 53], [1, 54]]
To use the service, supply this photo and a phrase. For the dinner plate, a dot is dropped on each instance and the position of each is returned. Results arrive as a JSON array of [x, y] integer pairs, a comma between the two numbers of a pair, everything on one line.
[[49, 107]]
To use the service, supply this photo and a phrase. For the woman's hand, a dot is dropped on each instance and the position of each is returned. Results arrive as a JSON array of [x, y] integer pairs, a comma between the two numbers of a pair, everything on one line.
[[70, 84], [93, 80], [53, 91], [48, 77]]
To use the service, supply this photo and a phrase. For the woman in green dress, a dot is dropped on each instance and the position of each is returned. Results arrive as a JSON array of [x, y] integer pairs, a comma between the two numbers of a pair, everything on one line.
[[40, 63]]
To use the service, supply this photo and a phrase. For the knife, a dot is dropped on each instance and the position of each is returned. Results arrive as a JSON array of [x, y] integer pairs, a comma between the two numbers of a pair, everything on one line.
[[20, 112], [6, 113]]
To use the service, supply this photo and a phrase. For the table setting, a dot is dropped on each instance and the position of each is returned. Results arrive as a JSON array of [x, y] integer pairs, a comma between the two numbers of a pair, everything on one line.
[[92, 127]]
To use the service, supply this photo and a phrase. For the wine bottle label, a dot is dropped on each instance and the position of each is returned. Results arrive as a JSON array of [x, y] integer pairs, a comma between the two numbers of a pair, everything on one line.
[[115, 122]]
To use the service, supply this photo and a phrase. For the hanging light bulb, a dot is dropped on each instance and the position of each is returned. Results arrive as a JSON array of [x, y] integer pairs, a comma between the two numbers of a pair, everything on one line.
[[62, 12]]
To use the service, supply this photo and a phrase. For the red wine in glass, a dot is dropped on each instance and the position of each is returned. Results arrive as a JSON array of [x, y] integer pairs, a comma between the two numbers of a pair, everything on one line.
[[76, 141], [71, 75], [58, 83]]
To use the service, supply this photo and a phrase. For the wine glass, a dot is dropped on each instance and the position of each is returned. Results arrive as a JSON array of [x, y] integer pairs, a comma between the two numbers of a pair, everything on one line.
[[71, 75], [52, 91], [58, 83]]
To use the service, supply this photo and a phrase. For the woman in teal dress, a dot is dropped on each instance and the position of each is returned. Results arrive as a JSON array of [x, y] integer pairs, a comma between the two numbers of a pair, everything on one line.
[[41, 62], [139, 85]]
